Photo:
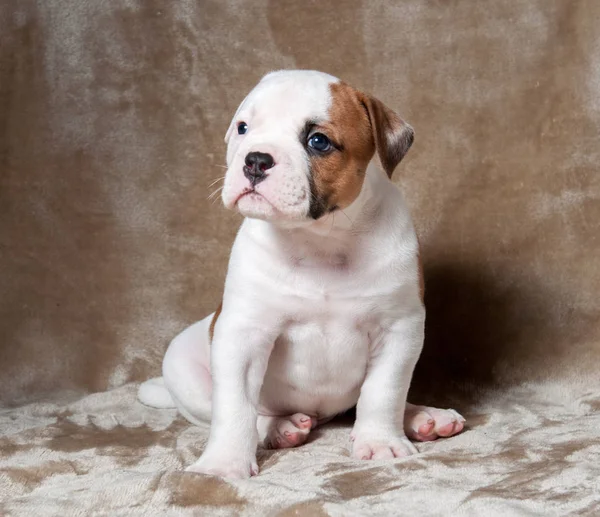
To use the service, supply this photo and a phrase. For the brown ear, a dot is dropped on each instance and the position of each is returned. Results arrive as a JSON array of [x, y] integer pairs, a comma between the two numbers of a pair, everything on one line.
[[393, 137]]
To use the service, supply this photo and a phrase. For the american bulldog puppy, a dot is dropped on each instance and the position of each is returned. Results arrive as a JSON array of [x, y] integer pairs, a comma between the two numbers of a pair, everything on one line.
[[323, 302]]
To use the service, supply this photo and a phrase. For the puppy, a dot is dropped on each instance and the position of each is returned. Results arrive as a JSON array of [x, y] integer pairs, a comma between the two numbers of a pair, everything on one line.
[[323, 301]]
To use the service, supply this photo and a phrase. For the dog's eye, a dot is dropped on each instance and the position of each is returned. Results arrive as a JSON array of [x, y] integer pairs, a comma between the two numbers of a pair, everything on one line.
[[242, 128], [319, 142]]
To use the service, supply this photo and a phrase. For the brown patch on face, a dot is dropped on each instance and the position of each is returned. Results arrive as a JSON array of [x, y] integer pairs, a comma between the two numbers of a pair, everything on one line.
[[337, 176], [358, 126], [194, 490], [211, 329]]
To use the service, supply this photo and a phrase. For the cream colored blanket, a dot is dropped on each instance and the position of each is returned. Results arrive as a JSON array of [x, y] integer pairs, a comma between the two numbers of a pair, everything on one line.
[[108, 455]]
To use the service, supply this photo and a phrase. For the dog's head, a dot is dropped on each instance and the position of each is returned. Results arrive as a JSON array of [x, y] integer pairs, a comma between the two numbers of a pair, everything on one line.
[[300, 143]]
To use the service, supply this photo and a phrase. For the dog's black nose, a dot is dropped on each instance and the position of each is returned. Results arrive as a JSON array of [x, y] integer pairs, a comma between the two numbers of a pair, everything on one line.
[[256, 165]]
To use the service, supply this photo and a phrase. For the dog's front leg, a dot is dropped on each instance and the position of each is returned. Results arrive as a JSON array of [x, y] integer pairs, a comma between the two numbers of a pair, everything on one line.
[[239, 355], [378, 431]]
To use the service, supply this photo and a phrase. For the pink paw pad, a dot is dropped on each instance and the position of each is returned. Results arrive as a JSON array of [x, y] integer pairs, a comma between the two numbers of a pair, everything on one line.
[[290, 431], [423, 423]]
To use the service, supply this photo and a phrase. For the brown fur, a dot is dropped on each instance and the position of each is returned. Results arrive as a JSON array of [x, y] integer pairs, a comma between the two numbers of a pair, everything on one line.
[[358, 125], [393, 136], [211, 328], [338, 176]]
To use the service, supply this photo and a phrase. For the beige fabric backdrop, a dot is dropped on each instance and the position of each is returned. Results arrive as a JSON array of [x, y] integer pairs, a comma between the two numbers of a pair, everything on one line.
[[112, 117]]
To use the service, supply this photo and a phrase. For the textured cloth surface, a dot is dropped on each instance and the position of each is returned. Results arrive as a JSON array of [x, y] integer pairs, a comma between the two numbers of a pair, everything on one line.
[[112, 118], [108, 455]]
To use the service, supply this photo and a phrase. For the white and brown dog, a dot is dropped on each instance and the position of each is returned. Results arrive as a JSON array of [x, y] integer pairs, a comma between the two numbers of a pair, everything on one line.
[[322, 307]]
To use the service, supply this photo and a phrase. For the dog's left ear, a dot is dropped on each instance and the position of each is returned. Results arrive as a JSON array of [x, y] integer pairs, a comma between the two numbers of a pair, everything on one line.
[[393, 137]]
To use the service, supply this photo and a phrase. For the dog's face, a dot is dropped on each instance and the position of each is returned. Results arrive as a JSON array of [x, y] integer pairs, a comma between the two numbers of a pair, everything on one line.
[[300, 143]]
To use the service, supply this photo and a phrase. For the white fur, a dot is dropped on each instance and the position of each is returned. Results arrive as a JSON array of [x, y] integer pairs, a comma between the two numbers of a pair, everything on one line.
[[317, 315], [276, 111]]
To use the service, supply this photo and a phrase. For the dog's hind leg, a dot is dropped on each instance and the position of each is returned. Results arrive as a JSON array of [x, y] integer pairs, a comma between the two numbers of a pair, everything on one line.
[[186, 382]]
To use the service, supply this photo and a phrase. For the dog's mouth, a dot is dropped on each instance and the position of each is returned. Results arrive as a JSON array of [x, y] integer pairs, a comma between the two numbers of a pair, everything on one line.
[[255, 204], [251, 194], [251, 203]]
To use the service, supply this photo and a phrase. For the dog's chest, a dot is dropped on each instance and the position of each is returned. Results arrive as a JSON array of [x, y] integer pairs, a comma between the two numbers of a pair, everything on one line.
[[320, 360], [325, 348], [333, 308], [325, 344]]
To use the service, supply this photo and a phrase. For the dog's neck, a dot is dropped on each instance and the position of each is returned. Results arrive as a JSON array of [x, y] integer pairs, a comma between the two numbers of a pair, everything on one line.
[[334, 235]]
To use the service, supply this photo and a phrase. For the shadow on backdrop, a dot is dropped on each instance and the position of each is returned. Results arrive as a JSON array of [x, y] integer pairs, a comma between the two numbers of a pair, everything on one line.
[[482, 330]]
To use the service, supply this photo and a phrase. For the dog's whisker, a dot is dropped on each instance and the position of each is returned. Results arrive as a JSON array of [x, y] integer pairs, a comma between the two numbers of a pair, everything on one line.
[[216, 181], [214, 194]]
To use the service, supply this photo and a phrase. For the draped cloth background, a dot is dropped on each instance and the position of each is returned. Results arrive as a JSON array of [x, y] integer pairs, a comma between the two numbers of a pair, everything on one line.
[[112, 118]]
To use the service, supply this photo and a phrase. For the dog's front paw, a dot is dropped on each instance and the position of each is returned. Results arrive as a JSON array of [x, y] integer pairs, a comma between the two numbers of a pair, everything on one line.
[[380, 446], [225, 467]]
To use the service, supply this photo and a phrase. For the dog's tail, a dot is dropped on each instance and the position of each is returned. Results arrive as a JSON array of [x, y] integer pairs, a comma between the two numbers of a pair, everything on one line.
[[155, 394]]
